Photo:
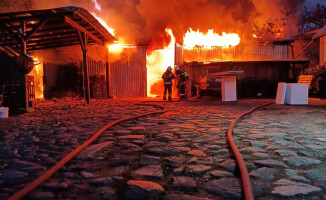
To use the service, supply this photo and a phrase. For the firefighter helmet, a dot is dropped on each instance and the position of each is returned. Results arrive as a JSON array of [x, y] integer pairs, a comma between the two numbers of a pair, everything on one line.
[[177, 68]]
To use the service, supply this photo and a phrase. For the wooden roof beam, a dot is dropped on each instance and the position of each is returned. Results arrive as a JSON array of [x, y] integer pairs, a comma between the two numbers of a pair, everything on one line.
[[90, 23], [10, 32], [49, 37], [40, 47], [82, 29], [34, 30], [53, 41], [11, 50]]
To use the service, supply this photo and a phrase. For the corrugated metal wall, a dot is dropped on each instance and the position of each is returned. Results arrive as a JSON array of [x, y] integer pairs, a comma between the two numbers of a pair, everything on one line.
[[274, 71], [238, 53], [129, 78], [50, 75], [96, 68]]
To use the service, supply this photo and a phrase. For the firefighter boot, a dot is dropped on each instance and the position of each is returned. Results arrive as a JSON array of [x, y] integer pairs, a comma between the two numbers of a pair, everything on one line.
[[164, 97]]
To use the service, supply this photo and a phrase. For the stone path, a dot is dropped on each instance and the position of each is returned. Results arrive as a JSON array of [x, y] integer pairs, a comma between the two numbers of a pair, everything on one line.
[[182, 154], [288, 151]]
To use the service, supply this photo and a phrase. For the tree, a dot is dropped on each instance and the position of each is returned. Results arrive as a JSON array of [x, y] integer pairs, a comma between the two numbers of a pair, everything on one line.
[[312, 18]]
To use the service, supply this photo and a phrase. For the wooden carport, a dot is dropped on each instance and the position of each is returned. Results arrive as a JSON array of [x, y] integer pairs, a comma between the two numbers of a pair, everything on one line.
[[27, 31]]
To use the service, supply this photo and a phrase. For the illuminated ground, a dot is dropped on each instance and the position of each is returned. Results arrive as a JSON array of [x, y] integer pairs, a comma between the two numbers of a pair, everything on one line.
[[182, 154]]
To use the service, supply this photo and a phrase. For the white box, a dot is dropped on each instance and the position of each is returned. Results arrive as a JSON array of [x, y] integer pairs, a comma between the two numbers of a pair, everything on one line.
[[281, 92], [229, 88], [4, 112], [296, 94]]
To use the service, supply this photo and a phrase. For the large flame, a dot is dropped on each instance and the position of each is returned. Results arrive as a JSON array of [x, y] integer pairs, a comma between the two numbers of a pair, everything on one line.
[[210, 39], [118, 46], [157, 63]]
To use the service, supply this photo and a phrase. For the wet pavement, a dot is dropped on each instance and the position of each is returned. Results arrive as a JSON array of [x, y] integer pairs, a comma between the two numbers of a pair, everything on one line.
[[182, 154]]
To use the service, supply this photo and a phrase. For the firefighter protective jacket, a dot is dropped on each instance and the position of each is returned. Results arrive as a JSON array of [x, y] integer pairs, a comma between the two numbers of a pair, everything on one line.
[[167, 77]]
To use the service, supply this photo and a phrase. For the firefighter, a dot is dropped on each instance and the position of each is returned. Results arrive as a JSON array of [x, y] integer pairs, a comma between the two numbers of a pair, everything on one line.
[[182, 82], [167, 79]]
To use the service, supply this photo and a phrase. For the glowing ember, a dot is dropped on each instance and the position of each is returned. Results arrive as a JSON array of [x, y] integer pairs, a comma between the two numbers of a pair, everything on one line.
[[255, 36], [156, 63], [210, 39]]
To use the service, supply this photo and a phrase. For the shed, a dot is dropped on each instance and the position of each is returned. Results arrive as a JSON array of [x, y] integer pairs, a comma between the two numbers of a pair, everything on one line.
[[264, 63], [24, 32]]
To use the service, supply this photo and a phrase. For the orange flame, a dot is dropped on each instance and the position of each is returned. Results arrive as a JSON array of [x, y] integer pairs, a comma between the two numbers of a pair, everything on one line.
[[210, 39], [103, 23], [157, 62], [37, 72], [118, 46]]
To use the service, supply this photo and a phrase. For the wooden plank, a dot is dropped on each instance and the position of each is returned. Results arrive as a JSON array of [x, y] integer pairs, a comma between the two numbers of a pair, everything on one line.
[[52, 41], [34, 30], [10, 31], [82, 29], [305, 79], [34, 48], [90, 23], [51, 37]]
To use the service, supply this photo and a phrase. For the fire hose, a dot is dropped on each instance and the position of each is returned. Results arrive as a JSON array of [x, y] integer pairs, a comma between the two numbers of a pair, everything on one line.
[[37, 182], [244, 172], [248, 192]]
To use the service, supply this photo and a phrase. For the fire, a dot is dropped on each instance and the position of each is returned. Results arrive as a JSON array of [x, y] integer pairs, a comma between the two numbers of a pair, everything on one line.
[[103, 23], [118, 46], [37, 72], [210, 39], [156, 63], [255, 36]]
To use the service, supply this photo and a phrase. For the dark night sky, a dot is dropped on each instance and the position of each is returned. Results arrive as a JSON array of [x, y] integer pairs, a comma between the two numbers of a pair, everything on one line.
[[313, 2]]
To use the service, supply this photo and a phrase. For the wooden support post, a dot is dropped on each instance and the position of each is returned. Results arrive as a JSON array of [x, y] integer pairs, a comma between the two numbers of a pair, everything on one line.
[[107, 73], [83, 43], [24, 44], [24, 51]]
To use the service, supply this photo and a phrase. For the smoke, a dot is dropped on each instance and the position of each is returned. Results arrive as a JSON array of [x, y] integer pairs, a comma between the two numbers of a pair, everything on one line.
[[144, 21], [282, 13]]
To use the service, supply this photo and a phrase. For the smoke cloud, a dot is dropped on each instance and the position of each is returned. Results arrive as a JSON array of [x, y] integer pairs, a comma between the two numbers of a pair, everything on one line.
[[144, 21]]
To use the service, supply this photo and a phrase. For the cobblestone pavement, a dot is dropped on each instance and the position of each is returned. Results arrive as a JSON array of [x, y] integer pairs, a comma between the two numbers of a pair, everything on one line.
[[182, 154]]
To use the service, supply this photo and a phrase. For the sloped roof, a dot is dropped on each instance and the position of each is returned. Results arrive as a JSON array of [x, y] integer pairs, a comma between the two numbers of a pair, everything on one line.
[[320, 33], [51, 28]]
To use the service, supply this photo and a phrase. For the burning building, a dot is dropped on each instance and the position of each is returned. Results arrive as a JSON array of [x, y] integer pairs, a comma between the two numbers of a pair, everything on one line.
[[265, 63], [264, 53]]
